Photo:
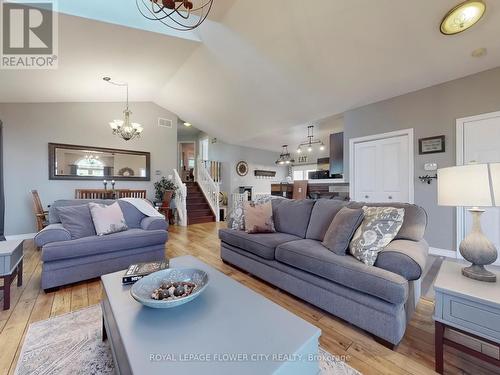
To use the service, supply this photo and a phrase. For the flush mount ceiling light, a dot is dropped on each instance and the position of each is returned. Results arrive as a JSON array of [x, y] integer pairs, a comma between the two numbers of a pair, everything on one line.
[[124, 128], [310, 141], [188, 124], [182, 15], [285, 157], [462, 17]]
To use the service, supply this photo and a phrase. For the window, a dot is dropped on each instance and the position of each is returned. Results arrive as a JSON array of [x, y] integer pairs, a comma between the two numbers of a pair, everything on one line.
[[298, 175], [90, 167], [301, 172]]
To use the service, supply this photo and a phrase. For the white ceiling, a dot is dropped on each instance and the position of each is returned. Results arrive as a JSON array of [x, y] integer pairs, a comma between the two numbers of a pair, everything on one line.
[[263, 69]]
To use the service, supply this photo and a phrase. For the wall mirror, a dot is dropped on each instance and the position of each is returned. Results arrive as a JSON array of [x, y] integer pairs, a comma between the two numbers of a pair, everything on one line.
[[71, 162]]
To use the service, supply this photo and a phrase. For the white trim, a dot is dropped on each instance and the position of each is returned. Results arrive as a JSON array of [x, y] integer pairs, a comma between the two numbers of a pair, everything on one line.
[[374, 137], [443, 252], [24, 236], [460, 144]]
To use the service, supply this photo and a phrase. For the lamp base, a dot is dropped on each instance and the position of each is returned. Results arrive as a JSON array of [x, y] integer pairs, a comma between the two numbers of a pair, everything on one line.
[[480, 273]]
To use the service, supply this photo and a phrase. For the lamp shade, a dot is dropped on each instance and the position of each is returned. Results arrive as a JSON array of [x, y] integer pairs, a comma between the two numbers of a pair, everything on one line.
[[495, 182], [465, 185]]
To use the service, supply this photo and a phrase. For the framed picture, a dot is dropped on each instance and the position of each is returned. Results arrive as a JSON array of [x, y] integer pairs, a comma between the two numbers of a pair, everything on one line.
[[431, 145]]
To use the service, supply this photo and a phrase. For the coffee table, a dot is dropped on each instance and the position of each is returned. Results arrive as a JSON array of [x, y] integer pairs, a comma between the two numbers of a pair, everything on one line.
[[228, 329]]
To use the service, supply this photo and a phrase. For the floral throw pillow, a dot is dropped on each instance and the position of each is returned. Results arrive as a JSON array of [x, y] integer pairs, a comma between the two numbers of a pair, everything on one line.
[[258, 217], [236, 218], [379, 227], [107, 219]]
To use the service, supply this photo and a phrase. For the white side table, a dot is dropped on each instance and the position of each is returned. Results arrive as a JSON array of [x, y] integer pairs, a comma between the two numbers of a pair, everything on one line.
[[11, 265], [467, 314]]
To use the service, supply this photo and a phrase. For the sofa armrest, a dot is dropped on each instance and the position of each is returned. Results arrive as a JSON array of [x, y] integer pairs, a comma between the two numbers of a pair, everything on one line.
[[404, 257], [52, 233], [154, 223]]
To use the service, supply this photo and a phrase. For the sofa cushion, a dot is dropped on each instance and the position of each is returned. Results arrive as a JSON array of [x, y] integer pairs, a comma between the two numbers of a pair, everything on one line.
[[322, 214], [292, 216], [406, 258], [312, 256], [414, 222], [261, 244], [77, 220], [130, 239], [341, 230]]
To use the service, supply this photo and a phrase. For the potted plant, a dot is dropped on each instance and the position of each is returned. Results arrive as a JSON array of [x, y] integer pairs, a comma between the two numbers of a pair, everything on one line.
[[165, 191]]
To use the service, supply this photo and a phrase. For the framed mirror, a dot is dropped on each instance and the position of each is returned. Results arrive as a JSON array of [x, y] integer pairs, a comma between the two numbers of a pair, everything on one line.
[[71, 162]]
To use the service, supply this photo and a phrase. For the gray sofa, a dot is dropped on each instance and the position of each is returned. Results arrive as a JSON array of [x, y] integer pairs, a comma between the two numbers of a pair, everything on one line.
[[67, 261], [379, 299]]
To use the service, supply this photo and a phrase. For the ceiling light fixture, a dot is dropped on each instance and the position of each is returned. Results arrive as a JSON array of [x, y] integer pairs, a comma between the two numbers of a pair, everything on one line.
[[188, 124], [285, 157], [462, 17], [182, 15], [124, 128], [310, 141]]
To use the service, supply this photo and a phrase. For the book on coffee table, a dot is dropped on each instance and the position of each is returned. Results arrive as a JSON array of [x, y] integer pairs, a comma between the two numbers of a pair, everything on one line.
[[138, 271]]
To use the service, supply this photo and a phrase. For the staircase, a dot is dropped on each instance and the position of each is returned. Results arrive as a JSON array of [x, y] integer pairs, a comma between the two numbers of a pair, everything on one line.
[[198, 209]]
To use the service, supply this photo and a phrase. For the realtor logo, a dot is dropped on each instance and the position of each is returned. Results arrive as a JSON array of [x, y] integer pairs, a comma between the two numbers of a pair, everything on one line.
[[29, 35]]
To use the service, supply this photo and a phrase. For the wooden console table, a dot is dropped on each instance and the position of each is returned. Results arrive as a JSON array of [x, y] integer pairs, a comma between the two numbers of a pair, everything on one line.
[[467, 314]]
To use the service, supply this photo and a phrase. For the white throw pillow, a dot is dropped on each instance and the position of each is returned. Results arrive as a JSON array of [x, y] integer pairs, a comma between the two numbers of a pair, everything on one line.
[[379, 227], [107, 219]]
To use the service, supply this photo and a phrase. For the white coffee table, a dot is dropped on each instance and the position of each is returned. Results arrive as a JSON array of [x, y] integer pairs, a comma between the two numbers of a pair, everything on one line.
[[229, 329]]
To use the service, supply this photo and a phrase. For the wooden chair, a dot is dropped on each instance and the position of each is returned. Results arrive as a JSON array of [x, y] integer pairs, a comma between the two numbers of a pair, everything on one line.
[[127, 193], [93, 194], [41, 216]]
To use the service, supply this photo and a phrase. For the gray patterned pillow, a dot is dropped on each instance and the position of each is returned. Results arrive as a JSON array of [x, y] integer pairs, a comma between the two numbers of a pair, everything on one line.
[[107, 219], [379, 227], [236, 218]]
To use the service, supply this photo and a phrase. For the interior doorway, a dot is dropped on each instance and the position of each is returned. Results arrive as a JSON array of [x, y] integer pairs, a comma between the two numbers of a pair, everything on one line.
[[187, 161]]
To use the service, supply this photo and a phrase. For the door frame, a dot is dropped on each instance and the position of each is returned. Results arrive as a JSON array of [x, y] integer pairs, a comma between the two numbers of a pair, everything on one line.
[[460, 144], [376, 137], [179, 155]]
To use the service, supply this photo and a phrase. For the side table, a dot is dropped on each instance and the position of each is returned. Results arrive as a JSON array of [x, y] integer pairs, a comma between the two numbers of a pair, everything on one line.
[[467, 314], [11, 265]]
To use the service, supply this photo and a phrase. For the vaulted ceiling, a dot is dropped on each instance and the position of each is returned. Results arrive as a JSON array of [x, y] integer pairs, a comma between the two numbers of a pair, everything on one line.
[[256, 70]]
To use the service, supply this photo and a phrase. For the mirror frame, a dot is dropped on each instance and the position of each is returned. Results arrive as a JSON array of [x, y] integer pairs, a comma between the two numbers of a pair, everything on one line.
[[52, 163]]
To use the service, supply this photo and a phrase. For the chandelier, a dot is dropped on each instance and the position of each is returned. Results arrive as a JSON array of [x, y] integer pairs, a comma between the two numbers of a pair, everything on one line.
[[182, 15], [285, 157], [124, 128], [310, 141]]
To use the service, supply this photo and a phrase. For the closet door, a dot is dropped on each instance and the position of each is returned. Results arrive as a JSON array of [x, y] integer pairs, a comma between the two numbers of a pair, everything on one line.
[[381, 171]]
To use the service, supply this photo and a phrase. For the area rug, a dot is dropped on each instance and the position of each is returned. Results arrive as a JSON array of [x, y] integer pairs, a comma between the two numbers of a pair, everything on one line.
[[72, 344]]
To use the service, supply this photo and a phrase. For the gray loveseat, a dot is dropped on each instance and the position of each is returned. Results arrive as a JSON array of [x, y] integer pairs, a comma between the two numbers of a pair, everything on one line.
[[379, 299], [67, 261]]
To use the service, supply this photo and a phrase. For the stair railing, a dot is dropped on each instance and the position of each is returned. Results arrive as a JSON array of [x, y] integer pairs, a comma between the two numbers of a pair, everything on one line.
[[180, 199], [209, 188]]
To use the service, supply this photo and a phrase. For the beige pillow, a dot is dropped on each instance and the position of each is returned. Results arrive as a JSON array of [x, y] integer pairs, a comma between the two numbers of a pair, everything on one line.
[[107, 219], [258, 217], [379, 227]]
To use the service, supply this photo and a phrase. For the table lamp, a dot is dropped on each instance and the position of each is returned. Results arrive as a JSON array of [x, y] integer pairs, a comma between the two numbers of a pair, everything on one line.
[[475, 186]]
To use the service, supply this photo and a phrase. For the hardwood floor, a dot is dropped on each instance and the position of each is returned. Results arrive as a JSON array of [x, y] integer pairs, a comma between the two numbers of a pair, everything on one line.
[[415, 354]]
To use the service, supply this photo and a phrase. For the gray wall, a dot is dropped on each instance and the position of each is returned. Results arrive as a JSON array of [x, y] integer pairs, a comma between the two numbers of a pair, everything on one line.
[[430, 112], [28, 128]]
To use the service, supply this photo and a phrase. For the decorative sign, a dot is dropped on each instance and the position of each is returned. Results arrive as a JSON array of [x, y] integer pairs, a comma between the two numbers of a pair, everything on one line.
[[303, 159], [431, 145], [262, 173]]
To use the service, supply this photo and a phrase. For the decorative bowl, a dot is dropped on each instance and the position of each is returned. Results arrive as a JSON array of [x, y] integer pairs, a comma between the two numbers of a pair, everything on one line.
[[141, 291]]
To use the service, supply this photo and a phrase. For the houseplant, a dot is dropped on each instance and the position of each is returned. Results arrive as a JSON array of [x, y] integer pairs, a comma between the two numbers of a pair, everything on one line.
[[165, 190]]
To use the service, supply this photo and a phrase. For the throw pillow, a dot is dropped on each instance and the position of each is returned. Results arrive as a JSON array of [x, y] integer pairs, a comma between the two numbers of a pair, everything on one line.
[[77, 220], [236, 217], [379, 227], [107, 219], [341, 229], [259, 217]]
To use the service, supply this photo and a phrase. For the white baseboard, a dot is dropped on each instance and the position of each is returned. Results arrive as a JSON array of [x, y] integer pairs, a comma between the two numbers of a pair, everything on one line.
[[24, 236], [442, 252]]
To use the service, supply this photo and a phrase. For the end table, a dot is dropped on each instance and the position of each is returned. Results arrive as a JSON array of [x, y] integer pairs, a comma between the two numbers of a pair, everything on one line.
[[11, 265], [467, 314]]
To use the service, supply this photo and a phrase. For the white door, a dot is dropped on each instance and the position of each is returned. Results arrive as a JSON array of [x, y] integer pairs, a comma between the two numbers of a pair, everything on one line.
[[481, 144], [381, 170]]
